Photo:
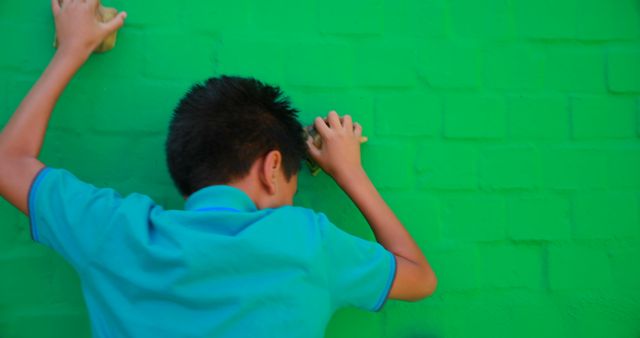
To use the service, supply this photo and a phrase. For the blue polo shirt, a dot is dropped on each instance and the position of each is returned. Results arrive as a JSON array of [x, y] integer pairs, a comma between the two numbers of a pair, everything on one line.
[[218, 268]]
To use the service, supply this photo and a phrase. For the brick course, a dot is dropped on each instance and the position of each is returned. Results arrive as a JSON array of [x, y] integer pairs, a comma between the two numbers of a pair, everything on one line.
[[505, 134]]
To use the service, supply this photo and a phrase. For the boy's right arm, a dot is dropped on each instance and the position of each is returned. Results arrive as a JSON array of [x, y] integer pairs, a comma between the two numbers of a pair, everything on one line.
[[21, 138], [339, 156]]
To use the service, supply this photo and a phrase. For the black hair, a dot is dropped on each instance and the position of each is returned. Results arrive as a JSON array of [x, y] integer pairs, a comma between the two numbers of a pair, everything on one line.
[[220, 127]]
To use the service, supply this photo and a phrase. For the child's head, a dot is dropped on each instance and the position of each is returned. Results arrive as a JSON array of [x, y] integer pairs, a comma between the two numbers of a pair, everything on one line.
[[228, 126]]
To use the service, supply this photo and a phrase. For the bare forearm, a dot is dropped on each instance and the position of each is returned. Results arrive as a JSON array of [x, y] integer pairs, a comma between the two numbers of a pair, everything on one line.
[[22, 137], [78, 32], [387, 228], [24, 134], [339, 156]]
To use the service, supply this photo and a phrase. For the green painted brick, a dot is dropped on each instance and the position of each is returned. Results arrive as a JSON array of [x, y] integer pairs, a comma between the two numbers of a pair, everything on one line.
[[371, 68], [5, 111], [538, 216], [602, 20], [623, 166], [415, 18], [359, 105], [422, 222], [623, 70], [399, 324], [414, 113], [584, 20], [201, 16], [319, 64], [9, 213], [153, 104], [561, 25], [620, 219], [478, 318], [54, 321], [20, 243], [538, 118], [103, 157], [603, 318], [141, 15], [514, 67], [457, 269], [505, 167], [447, 166], [25, 280], [17, 13], [573, 268], [238, 56], [445, 64], [570, 168], [380, 158], [507, 266], [9, 228], [167, 58], [461, 101], [481, 19], [31, 47], [474, 217], [350, 17], [474, 117], [65, 284], [348, 322], [280, 16], [151, 148], [624, 267], [124, 63], [575, 69], [76, 109], [540, 318], [603, 117]]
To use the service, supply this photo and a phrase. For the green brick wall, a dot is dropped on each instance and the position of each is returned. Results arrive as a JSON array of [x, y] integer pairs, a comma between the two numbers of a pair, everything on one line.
[[504, 133]]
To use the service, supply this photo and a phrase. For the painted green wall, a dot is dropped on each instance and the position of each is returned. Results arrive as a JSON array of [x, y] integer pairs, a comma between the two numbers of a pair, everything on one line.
[[504, 133]]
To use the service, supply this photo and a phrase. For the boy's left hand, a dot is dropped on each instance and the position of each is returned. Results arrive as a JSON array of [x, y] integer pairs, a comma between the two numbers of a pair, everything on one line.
[[339, 153], [78, 29]]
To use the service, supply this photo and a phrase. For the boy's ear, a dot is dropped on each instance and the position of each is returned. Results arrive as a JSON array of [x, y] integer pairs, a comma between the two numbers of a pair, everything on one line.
[[270, 168]]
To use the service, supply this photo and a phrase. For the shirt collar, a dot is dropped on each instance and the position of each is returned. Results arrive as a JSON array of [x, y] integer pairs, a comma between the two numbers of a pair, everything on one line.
[[221, 197]]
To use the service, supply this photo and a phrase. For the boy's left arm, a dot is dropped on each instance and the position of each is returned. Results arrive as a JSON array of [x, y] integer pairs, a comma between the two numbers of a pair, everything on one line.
[[79, 32]]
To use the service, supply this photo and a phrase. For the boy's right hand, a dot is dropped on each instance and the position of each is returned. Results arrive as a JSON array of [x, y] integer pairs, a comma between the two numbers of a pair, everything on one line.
[[78, 29], [339, 154]]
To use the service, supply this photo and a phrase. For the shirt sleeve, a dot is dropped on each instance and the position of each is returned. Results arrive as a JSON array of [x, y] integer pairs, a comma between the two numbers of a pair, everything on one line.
[[359, 272], [69, 215]]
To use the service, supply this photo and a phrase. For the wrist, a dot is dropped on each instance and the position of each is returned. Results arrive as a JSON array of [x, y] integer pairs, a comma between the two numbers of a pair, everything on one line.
[[348, 178], [73, 56]]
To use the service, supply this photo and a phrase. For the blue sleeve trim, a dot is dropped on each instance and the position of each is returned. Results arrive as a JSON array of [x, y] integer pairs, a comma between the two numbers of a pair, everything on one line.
[[387, 289], [31, 203]]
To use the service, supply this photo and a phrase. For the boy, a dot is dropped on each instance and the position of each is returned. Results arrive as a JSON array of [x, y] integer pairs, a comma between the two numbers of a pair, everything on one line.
[[240, 260]]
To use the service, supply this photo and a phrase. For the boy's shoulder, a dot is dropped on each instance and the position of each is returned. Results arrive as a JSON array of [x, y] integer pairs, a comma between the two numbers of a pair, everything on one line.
[[299, 213]]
